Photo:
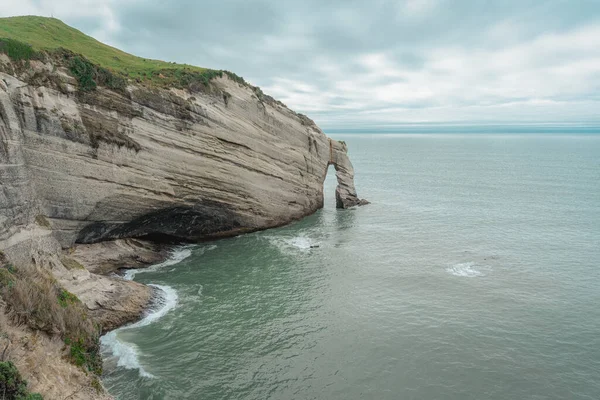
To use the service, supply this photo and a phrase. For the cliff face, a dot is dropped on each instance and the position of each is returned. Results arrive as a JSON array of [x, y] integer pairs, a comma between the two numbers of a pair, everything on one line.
[[80, 167], [90, 154], [87, 167]]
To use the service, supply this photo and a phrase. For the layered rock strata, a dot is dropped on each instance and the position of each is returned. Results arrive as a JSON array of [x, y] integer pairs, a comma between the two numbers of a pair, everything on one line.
[[158, 163], [79, 168]]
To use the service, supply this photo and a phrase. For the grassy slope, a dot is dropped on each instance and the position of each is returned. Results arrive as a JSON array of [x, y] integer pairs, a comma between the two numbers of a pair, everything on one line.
[[50, 33]]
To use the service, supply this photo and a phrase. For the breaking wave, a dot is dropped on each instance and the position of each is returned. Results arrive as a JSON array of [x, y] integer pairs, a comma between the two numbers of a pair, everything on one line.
[[177, 255], [127, 354]]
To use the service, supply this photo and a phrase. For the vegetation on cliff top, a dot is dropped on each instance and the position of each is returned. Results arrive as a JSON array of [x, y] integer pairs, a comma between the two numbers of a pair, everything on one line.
[[43, 33], [93, 62]]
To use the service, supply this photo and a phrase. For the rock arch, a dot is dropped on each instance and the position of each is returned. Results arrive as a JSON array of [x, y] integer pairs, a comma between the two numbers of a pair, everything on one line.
[[345, 193]]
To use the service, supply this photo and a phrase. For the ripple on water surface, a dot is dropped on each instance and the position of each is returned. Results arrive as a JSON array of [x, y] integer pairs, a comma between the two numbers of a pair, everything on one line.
[[472, 275]]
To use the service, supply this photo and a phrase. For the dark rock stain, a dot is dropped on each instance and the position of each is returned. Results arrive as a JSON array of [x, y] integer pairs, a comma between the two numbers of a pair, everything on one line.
[[187, 223]]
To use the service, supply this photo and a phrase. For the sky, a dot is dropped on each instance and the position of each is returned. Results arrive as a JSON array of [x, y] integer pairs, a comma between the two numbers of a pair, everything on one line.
[[372, 63]]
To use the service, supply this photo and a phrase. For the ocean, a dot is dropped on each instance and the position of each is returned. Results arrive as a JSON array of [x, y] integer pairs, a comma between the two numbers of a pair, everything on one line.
[[474, 274]]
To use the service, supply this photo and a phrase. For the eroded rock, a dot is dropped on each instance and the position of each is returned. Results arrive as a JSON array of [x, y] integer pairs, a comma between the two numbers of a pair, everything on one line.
[[108, 165], [165, 165], [345, 193]]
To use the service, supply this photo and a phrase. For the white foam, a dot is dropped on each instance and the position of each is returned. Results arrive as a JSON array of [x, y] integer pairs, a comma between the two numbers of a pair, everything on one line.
[[202, 250], [211, 247], [302, 243], [177, 255], [465, 270], [299, 242], [127, 354]]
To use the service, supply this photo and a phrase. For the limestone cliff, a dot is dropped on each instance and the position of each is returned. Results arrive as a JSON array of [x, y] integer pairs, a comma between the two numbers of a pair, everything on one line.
[[165, 163], [109, 162]]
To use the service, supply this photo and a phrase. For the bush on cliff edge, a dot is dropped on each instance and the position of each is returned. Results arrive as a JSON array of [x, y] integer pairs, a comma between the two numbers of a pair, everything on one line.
[[17, 50], [35, 299], [12, 385]]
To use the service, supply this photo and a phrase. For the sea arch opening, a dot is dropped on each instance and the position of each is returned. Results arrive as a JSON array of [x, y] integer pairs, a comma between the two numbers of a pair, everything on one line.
[[345, 192], [330, 186]]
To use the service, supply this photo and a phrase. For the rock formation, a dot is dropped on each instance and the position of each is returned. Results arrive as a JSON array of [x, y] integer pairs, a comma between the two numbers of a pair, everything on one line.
[[159, 163], [345, 193], [79, 167]]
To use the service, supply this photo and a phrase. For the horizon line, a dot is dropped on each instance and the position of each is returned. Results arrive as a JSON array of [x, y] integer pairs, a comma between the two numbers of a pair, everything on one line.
[[470, 127]]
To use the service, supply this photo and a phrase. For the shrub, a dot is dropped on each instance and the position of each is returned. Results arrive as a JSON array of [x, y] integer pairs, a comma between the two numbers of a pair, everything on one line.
[[6, 277], [235, 78], [194, 81], [32, 396], [85, 355], [83, 70], [66, 298], [34, 298], [97, 385], [304, 120], [258, 92], [106, 78], [90, 75], [12, 385], [17, 50]]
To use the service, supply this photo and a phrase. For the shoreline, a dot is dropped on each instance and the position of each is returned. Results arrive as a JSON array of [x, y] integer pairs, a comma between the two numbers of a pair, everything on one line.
[[162, 300], [102, 280], [125, 354], [119, 301], [126, 304]]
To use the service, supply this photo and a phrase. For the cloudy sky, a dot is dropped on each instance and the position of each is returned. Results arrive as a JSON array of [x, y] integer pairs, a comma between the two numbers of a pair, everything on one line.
[[350, 63]]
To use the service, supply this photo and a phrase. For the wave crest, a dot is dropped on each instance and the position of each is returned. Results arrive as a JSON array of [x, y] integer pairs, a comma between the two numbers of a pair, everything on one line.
[[177, 255], [127, 354]]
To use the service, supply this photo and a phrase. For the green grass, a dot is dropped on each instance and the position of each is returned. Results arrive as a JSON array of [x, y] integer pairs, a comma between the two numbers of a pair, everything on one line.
[[94, 63], [49, 34], [34, 298], [66, 298], [17, 50], [85, 354], [12, 385]]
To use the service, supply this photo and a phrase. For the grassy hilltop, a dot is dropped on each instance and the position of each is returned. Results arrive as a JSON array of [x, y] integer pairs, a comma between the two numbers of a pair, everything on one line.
[[28, 37], [49, 34]]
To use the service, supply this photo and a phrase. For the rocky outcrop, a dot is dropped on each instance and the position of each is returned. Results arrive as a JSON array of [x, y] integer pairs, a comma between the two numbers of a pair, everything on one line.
[[345, 193], [159, 163]]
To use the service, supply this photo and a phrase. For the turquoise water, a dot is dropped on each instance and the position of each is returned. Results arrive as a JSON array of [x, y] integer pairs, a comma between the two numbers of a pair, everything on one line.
[[475, 274]]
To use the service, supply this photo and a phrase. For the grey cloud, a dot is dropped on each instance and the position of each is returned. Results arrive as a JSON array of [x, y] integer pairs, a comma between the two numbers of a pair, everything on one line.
[[431, 59]]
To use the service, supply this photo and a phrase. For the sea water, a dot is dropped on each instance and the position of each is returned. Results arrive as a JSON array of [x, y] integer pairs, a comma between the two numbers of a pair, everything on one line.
[[474, 274]]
